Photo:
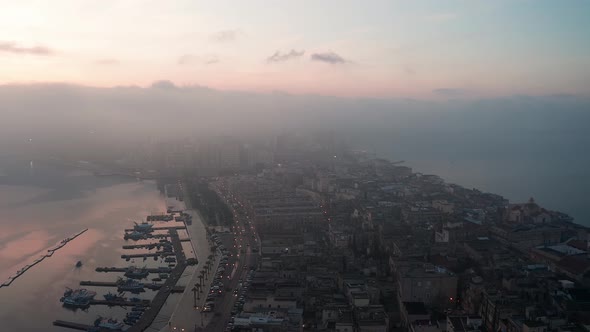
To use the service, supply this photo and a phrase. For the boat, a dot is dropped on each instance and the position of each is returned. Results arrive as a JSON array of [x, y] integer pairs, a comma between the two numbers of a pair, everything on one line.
[[129, 321], [79, 298], [114, 297], [76, 303], [134, 314], [82, 293], [135, 235], [135, 273], [79, 264], [129, 285], [108, 323], [144, 227]]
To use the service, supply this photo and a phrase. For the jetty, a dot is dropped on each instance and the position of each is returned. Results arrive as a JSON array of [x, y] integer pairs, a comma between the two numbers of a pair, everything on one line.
[[159, 228], [143, 246], [149, 254], [72, 325], [122, 303], [152, 286], [50, 253], [161, 269]]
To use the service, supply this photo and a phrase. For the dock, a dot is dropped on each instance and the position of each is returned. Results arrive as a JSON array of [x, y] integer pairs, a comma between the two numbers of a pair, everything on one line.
[[120, 303], [76, 326], [143, 246], [152, 286], [149, 254], [161, 269], [72, 325], [160, 228]]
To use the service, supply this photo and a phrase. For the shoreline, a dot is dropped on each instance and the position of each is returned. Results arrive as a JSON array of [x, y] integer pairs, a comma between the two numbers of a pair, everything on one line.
[[184, 312]]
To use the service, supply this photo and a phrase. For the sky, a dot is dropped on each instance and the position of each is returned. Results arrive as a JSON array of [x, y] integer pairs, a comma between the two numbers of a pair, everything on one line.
[[370, 48]]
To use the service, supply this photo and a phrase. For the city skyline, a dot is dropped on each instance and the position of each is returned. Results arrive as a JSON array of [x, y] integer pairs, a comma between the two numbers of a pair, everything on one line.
[[384, 49]]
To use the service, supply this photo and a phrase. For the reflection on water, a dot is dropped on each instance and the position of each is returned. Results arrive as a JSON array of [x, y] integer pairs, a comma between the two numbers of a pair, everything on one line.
[[37, 210]]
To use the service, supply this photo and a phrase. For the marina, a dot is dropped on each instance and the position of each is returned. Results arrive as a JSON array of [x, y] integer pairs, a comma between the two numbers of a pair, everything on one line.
[[164, 283], [50, 253]]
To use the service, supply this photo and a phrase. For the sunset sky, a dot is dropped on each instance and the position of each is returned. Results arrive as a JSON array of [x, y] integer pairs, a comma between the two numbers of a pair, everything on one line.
[[371, 48]]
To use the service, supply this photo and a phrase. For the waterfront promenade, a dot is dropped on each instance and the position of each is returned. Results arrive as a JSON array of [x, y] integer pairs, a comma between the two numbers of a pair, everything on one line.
[[185, 315]]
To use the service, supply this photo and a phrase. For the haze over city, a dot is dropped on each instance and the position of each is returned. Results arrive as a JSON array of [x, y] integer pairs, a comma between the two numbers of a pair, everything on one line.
[[341, 166]]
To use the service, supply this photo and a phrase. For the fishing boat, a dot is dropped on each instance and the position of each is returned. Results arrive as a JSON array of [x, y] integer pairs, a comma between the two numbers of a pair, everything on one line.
[[108, 324], [129, 285], [114, 297], [136, 273], [144, 227], [79, 298]]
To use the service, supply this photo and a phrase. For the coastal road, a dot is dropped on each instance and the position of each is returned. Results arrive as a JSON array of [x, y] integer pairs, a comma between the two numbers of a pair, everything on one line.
[[185, 316], [245, 240]]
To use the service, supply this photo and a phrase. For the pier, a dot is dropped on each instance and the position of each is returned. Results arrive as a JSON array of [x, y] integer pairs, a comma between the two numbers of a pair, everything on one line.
[[161, 269], [143, 246], [72, 325], [152, 286], [124, 303], [50, 253], [150, 254], [159, 228]]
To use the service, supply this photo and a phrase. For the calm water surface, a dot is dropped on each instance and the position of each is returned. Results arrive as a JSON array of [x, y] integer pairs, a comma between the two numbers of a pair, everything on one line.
[[42, 204]]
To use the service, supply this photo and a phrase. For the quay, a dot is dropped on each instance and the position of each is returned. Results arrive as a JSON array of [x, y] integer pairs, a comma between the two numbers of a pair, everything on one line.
[[169, 287]]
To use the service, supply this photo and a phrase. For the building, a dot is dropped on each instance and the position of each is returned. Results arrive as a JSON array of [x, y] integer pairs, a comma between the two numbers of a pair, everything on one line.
[[464, 323], [425, 283]]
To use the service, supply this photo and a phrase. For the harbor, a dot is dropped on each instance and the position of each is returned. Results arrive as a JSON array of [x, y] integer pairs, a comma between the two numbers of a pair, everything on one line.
[[168, 250]]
